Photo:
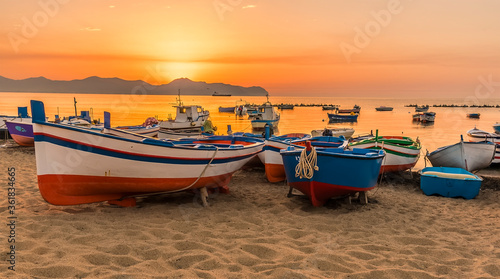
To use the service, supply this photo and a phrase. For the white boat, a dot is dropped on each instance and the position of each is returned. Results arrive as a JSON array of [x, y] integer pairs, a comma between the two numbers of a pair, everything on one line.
[[180, 133], [421, 108], [207, 130], [78, 165], [186, 117], [477, 135], [335, 132], [265, 115], [427, 117], [271, 158], [470, 156]]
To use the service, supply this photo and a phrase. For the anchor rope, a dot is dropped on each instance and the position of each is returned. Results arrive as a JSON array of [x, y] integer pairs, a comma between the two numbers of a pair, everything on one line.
[[308, 163]]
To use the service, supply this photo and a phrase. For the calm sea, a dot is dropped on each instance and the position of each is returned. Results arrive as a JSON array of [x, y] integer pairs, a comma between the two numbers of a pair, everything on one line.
[[133, 110]]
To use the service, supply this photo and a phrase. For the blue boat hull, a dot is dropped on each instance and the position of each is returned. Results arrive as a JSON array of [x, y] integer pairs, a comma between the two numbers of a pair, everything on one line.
[[449, 182], [341, 172]]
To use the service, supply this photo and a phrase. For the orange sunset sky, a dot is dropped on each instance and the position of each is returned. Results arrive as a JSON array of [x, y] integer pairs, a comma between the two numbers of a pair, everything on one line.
[[317, 47]]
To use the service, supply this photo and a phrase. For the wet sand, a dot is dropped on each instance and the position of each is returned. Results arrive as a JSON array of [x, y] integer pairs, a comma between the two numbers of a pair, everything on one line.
[[255, 231]]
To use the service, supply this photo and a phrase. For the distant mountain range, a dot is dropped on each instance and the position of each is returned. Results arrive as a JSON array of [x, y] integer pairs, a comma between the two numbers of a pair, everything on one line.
[[97, 85]]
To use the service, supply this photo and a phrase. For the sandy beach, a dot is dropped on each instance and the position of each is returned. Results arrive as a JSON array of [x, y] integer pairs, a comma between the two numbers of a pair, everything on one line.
[[255, 231]]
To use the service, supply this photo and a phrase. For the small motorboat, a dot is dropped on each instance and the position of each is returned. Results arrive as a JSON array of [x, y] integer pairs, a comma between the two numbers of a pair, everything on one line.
[[421, 108], [471, 156], [427, 117], [496, 128], [402, 152], [355, 109], [226, 109], [449, 182], [337, 172]]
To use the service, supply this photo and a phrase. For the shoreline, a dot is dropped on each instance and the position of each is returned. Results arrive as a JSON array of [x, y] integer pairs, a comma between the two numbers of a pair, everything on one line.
[[255, 231]]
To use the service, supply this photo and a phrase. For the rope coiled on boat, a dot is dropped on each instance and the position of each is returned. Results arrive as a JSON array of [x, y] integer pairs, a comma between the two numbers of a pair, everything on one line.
[[308, 163]]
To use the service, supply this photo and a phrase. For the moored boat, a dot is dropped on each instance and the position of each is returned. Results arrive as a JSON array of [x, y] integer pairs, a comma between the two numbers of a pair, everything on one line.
[[496, 128], [77, 165], [186, 117], [427, 117], [271, 157], [384, 108], [470, 156], [329, 107], [449, 182], [265, 115], [338, 172], [334, 132], [480, 135], [285, 106], [355, 109], [226, 109], [421, 108], [402, 152]]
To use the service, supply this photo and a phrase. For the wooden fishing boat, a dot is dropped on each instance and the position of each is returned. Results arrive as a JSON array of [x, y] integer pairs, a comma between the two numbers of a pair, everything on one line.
[[334, 132], [480, 135], [470, 156], [339, 172], [384, 108], [416, 116], [473, 115], [271, 157], [402, 152], [77, 165], [265, 115], [496, 128], [449, 182]]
